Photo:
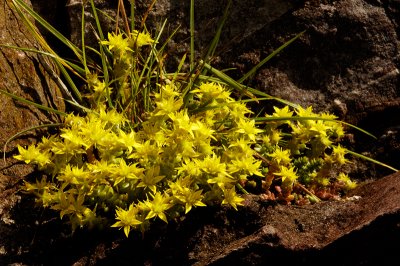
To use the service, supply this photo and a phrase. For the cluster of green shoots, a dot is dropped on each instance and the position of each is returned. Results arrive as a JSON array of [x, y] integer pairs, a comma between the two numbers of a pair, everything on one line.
[[150, 145]]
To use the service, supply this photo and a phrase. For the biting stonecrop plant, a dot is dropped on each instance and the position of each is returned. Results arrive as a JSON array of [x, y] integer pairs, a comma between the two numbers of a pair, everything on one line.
[[147, 144], [179, 158]]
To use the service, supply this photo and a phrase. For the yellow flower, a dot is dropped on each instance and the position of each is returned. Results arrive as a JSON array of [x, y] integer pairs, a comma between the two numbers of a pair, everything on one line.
[[288, 174], [108, 144], [186, 148], [202, 131], [74, 137], [67, 147], [242, 146], [182, 123], [150, 178], [33, 155], [189, 168], [192, 198], [146, 151], [124, 171], [246, 165], [100, 91], [207, 117], [204, 147], [339, 153], [99, 87], [127, 218], [238, 110], [94, 132], [266, 139], [112, 117], [101, 170], [275, 137], [211, 91], [323, 181], [73, 175], [180, 184], [167, 106], [158, 206], [338, 130], [74, 121], [212, 165], [319, 128], [43, 184], [167, 91], [117, 43], [153, 131], [140, 39], [283, 112], [46, 144], [187, 196], [221, 179], [231, 198], [248, 128], [281, 156], [305, 112], [128, 141], [325, 141], [348, 183]]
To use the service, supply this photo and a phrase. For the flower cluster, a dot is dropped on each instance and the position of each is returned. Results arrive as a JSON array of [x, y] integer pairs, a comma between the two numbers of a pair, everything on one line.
[[302, 147], [127, 54], [179, 158], [186, 151]]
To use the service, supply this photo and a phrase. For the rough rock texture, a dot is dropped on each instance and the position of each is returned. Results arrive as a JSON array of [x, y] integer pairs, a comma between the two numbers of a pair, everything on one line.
[[347, 62], [22, 74], [74, 9]]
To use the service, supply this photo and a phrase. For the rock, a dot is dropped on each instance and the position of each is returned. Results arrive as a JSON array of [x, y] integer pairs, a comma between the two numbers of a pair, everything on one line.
[[74, 9], [24, 75], [245, 19], [347, 60]]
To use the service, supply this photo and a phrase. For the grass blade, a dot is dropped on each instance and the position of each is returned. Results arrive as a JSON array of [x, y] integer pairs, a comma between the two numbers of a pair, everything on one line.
[[23, 132], [217, 35], [83, 41], [40, 106], [132, 15], [21, 4], [191, 36], [303, 118], [371, 160], [228, 80], [103, 54], [265, 60]]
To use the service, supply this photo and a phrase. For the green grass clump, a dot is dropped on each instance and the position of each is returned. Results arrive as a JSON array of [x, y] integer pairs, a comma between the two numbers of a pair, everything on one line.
[[147, 144]]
